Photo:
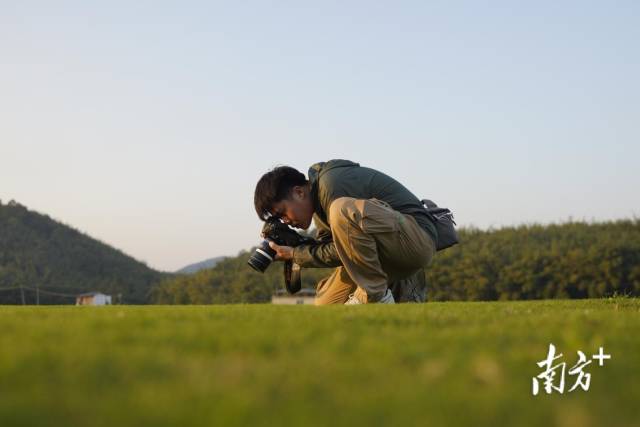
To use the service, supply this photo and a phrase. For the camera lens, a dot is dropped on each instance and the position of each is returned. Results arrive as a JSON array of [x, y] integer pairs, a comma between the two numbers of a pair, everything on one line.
[[262, 257]]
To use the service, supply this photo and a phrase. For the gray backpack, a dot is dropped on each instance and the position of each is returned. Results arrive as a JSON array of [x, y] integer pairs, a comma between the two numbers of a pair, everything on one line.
[[443, 220]]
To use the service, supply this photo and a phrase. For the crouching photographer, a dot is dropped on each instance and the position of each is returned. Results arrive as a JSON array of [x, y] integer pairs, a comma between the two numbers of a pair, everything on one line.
[[375, 232]]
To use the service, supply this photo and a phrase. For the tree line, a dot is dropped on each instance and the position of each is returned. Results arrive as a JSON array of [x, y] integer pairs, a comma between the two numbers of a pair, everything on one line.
[[570, 260]]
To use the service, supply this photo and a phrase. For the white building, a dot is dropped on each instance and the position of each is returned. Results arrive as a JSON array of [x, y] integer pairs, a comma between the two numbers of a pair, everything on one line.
[[93, 298], [304, 296]]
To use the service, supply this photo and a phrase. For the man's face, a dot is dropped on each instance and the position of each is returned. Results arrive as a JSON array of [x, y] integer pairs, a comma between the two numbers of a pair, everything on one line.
[[297, 210]]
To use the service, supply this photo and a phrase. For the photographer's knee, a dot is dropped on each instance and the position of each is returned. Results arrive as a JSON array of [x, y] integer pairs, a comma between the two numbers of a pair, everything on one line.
[[342, 209]]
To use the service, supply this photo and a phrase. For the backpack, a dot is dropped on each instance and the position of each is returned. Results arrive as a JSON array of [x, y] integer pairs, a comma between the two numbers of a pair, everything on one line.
[[442, 218]]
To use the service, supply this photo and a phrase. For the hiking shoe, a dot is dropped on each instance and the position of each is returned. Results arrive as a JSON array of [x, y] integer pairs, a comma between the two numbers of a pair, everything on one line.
[[386, 299], [353, 299]]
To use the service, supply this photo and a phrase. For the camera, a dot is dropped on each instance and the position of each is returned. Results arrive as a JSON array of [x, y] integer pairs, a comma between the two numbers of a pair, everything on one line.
[[281, 234]]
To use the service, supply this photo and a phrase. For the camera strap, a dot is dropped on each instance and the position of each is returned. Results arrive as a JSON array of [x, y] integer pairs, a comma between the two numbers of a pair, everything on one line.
[[292, 277]]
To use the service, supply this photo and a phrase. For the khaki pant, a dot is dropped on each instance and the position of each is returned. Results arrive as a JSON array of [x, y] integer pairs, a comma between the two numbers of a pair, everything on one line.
[[379, 248]]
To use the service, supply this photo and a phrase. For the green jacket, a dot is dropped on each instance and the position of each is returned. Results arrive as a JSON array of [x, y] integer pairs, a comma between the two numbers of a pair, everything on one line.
[[343, 178]]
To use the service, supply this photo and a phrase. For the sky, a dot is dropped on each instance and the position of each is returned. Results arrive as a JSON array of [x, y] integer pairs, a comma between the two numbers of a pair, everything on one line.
[[147, 124]]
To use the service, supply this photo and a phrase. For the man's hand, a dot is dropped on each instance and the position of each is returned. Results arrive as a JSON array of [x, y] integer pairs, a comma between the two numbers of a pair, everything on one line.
[[283, 253]]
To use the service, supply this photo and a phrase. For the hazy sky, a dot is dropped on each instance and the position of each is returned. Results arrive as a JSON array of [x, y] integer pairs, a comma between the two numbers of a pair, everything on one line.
[[146, 124]]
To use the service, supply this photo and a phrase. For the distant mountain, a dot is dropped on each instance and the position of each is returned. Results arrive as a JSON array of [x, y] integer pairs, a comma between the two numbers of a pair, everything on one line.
[[194, 268], [43, 259]]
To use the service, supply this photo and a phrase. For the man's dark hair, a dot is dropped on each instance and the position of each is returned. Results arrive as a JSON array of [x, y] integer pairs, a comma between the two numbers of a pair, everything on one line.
[[275, 186]]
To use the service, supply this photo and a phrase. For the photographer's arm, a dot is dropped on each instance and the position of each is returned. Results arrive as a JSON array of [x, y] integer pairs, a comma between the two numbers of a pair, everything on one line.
[[311, 255], [316, 255]]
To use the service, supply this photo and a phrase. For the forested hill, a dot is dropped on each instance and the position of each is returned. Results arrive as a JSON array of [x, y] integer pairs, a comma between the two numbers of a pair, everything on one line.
[[571, 260], [40, 257]]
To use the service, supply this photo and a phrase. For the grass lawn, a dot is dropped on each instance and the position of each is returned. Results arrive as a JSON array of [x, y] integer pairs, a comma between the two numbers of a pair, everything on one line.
[[452, 363]]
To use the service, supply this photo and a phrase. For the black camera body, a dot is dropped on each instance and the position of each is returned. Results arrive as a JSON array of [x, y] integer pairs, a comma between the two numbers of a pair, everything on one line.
[[281, 234]]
